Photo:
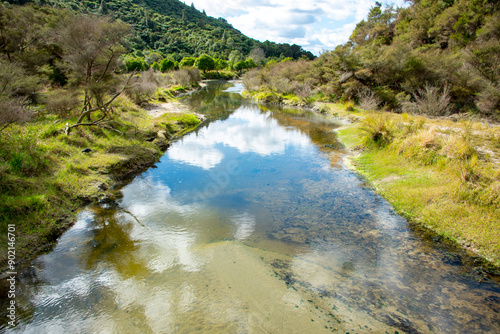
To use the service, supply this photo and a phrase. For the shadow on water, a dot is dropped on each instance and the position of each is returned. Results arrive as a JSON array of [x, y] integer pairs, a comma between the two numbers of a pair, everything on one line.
[[252, 224]]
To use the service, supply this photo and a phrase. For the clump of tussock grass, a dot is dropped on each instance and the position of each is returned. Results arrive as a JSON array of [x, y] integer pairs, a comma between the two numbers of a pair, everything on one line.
[[377, 130], [430, 101], [368, 100]]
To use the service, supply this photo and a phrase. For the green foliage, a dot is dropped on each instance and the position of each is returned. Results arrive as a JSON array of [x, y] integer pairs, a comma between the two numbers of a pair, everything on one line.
[[220, 64], [434, 57], [220, 75], [166, 65], [135, 64], [155, 66], [205, 63], [172, 27], [187, 62], [378, 130]]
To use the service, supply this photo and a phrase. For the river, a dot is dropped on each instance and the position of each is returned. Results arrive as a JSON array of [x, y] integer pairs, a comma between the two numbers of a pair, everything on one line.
[[251, 224]]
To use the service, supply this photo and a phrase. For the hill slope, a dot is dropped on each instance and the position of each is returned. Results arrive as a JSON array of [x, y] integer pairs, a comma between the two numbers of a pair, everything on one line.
[[173, 28]]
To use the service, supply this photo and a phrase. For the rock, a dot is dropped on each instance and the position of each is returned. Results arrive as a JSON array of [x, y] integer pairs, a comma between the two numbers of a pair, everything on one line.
[[163, 135]]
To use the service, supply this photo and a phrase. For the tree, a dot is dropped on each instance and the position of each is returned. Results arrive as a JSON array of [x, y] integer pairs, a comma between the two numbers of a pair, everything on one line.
[[103, 8], [240, 66], [166, 65], [153, 57], [135, 64], [250, 63], [258, 55], [187, 62], [235, 56], [205, 63], [155, 66], [220, 64], [14, 86], [92, 47]]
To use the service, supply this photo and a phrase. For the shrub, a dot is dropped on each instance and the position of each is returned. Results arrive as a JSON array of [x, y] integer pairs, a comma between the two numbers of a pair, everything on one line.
[[186, 77], [61, 102], [430, 101], [349, 106], [378, 130], [166, 65], [135, 64], [187, 62], [142, 87], [194, 75], [368, 100], [218, 75], [302, 90], [488, 101], [251, 80]]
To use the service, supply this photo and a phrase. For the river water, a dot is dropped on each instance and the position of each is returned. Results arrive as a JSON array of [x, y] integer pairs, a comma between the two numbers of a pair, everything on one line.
[[251, 224]]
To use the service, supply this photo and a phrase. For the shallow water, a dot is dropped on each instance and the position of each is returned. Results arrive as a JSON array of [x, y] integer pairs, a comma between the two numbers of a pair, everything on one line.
[[251, 225]]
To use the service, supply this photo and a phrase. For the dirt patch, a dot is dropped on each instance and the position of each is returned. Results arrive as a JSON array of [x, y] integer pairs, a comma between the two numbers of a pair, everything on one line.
[[156, 110]]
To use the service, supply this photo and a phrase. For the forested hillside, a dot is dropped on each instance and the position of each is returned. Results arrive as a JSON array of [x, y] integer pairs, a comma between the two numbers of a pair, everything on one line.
[[433, 57], [176, 30]]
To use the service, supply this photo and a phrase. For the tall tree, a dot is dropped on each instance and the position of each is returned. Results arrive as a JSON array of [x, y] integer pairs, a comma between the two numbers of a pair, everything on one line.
[[92, 46]]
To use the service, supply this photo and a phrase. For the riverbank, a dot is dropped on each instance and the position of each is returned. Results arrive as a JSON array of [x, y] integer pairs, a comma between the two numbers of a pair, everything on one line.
[[443, 175], [48, 175]]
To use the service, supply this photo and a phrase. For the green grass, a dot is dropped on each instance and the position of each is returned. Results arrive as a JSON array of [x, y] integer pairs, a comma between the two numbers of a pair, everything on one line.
[[432, 173], [45, 177]]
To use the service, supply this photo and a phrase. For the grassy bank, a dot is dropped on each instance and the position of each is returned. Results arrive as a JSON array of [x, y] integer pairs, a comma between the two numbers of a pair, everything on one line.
[[45, 175], [441, 174]]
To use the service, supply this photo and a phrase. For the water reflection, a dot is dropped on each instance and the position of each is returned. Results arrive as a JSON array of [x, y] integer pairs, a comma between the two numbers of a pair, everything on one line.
[[245, 131], [246, 227]]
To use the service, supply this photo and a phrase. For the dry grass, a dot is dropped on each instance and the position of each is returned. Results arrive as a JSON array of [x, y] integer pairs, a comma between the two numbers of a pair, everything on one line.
[[433, 173]]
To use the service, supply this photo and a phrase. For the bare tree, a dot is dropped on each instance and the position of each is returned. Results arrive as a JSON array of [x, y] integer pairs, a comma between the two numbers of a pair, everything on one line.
[[92, 47]]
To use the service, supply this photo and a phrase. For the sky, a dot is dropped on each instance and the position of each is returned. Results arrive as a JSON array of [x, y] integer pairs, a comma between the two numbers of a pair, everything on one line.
[[317, 25]]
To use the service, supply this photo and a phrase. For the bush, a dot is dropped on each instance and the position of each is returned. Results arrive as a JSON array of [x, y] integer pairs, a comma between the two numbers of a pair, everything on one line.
[[488, 101], [166, 65], [430, 101], [187, 62], [135, 64], [143, 86], [61, 102], [368, 100], [186, 77], [349, 106], [252, 81], [378, 130], [219, 75], [205, 63]]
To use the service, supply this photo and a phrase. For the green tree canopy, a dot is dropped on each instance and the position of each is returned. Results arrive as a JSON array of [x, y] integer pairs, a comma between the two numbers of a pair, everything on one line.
[[205, 63], [187, 62], [167, 65], [135, 64]]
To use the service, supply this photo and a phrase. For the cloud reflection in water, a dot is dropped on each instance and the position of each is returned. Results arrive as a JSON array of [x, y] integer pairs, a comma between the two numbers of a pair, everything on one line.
[[245, 130]]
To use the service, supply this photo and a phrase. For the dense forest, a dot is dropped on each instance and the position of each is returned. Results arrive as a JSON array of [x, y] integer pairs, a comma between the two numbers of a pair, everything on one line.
[[176, 30], [433, 57]]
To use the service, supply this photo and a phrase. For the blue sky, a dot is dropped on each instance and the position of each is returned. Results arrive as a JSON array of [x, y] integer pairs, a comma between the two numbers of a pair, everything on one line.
[[315, 25]]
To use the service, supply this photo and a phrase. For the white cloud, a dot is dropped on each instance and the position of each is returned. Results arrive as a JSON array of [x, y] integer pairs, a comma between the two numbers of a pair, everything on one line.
[[245, 130], [244, 224], [317, 26]]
